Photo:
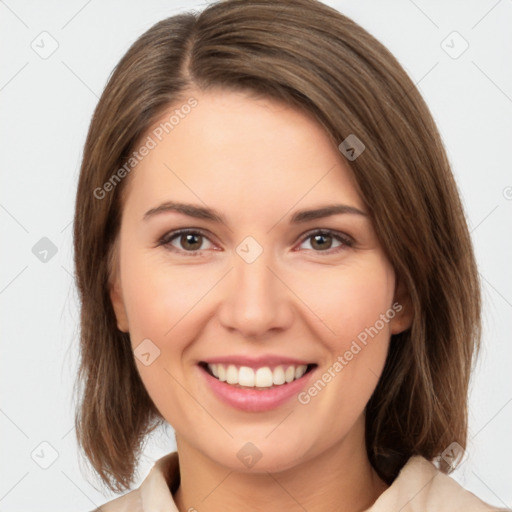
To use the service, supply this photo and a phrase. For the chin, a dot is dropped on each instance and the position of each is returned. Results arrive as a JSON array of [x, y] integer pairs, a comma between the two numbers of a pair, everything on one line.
[[265, 456]]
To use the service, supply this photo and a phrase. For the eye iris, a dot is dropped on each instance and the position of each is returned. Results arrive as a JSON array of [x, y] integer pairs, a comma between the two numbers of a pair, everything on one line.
[[191, 241], [319, 241]]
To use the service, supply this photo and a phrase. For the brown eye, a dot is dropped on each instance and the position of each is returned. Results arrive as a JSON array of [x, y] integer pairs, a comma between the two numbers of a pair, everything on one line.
[[188, 241], [321, 241], [191, 242]]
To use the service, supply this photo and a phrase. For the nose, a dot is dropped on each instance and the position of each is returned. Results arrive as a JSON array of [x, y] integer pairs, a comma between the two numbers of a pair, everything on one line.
[[255, 301]]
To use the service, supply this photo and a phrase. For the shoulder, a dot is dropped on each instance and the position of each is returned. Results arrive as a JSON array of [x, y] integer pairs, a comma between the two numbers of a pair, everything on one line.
[[154, 493], [130, 502], [421, 487]]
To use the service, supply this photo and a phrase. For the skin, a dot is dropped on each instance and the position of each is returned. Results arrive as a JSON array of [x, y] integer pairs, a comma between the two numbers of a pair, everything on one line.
[[256, 161]]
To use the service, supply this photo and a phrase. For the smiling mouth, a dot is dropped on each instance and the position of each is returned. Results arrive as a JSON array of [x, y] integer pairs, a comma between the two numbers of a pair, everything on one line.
[[262, 378]]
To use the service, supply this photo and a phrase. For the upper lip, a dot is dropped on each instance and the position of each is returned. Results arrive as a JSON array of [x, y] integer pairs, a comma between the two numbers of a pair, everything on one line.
[[257, 362]]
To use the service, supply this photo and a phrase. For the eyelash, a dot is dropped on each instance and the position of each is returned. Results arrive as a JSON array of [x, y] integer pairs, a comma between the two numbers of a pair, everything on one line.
[[166, 240]]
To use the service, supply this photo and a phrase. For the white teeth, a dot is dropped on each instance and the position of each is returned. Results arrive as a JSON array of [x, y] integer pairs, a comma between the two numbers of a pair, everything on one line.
[[300, 371], [221, 372], [232, 375], [246, 376], [263, 377], [278, 376]]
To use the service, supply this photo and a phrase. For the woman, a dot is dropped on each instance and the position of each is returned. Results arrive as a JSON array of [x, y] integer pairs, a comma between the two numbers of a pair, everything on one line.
[[272, 257]]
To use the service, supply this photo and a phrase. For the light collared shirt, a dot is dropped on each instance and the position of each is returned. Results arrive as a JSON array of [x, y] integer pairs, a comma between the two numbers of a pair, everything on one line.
[[419, 487]]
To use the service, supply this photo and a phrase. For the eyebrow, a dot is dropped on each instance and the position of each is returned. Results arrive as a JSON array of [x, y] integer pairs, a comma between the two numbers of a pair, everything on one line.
[[204, 213]]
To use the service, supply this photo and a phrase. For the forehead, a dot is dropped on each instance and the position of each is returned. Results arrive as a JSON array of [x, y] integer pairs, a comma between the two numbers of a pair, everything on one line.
[[239, 153]]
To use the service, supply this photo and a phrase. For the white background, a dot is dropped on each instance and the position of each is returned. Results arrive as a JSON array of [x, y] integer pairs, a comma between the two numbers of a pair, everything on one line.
[[47, 105]]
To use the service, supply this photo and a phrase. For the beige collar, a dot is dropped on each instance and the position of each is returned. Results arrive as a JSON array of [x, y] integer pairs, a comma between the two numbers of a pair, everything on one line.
[[419, 487]]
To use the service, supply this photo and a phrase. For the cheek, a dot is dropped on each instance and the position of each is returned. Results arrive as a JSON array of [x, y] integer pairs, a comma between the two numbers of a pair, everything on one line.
[[160, 305], [347, 301], [356, 304], [159, 297], [165, 305]]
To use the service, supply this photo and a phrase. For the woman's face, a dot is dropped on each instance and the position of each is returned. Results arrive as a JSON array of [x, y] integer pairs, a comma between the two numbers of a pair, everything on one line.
[[259, 292]]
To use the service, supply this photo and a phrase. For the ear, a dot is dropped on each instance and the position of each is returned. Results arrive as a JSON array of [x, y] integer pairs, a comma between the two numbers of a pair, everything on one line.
[[402, 306], [116, 296]]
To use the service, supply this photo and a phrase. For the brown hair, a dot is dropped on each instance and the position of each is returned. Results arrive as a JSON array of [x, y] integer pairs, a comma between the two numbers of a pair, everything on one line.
[[315, 59]]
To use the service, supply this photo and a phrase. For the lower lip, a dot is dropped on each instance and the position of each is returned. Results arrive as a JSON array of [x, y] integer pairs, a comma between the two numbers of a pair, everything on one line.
[[252, 399]]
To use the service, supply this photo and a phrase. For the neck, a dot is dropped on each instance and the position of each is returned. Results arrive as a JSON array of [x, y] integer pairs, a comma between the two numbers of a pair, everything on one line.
[[341, 478]]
